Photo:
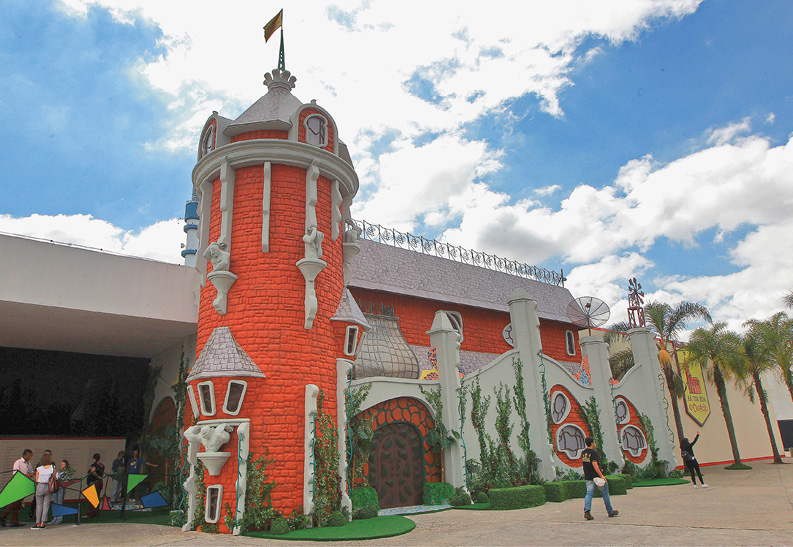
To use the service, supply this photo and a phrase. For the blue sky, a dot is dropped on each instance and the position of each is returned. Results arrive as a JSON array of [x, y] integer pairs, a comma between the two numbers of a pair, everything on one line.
[[611, 139]]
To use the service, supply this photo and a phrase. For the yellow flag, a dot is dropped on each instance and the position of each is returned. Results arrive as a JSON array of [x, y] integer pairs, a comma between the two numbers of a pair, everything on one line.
[[91, 495], [273, 25]]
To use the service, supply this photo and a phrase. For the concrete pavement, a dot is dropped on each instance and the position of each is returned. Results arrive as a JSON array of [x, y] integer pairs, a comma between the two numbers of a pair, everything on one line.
[[740, 508]]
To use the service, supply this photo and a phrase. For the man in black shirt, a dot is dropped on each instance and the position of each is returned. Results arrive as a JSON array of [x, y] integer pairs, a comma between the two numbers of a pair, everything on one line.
[[592, 473]]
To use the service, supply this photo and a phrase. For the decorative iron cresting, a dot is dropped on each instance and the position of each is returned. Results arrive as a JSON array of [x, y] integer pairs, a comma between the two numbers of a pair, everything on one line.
[[405, 240], [635, 301]]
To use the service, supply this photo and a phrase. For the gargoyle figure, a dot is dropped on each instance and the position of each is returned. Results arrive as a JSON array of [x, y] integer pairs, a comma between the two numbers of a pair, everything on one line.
[[214, 437], [217, 256], [313, 240], [353, 234], [193, 434]]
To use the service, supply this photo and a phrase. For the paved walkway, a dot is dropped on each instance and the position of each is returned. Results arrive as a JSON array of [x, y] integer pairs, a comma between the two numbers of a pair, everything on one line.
[[740, 508]]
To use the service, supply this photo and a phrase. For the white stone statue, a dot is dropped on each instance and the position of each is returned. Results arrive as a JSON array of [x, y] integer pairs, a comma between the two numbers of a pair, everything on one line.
[[313, 240], [214, 437], [218, 257], [353, 234]]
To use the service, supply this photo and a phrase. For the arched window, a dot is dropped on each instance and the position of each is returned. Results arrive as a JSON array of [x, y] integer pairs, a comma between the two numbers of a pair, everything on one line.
[[633, 441], [569, 339], [206, 394], [234, 395], [208, 142], [212, 508], [560, 407], [570, 440], [623, 414], [316, 130], [351, 340]]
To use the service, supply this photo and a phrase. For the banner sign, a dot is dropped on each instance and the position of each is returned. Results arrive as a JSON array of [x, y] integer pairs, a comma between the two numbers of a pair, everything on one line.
[[695, 394]]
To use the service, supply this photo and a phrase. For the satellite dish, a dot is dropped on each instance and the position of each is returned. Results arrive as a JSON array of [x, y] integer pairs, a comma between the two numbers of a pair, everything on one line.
[[588, 312]]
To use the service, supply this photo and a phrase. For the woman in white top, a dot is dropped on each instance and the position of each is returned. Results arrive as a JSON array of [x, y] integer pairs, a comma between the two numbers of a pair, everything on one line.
[[43, 495]]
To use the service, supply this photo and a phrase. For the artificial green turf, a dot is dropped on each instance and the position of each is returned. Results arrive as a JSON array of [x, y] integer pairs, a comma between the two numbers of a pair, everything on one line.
[[474, 507], [666, 481], [738, 467], [378, 527]]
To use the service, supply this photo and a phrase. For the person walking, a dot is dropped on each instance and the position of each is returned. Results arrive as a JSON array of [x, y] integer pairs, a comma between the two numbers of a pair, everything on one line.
[[95, 474], [118, 468], [594, 477], [63, 474], [22, 465], [690, 460], [44, 473], [32, 513]]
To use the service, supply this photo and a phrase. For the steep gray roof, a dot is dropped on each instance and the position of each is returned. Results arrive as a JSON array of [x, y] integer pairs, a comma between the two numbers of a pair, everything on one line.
[[349, 312], [387, 268], [223, 356]]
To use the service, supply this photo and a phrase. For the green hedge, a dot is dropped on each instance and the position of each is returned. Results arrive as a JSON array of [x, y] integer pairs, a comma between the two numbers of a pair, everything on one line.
[[628, 479], [575, 489], [437, 493], [558, 491], [518, 497], [361, 497], [617, 486], [555, 491]]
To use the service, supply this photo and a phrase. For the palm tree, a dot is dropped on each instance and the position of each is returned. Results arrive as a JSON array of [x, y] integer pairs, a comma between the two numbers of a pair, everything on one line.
[[721, 350], [776, 335], [756, 363], [668, 323], [787, 300]]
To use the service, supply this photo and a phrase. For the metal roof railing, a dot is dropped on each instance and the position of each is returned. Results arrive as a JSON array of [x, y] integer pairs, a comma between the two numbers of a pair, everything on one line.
[[405, 240]]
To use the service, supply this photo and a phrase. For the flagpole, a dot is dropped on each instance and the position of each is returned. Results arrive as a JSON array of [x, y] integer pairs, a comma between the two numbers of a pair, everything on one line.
[[281, 57]]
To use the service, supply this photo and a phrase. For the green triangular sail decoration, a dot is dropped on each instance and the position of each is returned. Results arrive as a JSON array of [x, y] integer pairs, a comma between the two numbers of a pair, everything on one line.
[[134, 480], [20, 486]]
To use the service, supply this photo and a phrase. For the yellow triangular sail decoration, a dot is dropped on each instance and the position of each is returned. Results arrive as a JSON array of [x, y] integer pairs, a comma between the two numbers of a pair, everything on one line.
[[91, 495]]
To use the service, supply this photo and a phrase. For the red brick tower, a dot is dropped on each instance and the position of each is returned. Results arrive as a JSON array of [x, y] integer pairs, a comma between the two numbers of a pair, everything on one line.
[[275, 187]]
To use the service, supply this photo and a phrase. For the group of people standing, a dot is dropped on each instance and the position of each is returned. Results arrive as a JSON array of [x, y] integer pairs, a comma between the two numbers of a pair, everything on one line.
[[49, 478], [44, 474]]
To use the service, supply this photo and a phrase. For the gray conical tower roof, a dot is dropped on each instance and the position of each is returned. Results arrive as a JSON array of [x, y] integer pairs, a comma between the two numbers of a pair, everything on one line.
[[223, 356], [273, 110]]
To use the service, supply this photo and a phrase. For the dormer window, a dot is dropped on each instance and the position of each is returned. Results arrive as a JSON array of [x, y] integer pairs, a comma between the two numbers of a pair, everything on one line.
[[316, 130], [206, 394], [208, 143], [212, 508], [234, 395]]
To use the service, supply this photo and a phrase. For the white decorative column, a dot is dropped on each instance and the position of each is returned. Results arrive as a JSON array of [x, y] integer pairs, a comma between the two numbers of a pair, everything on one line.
[[645, 355], [343, 367], [526, 334], [193, 436], [266, 191], [446, 342], [596, 351], [312, 392], [311, 265], [244, 436]]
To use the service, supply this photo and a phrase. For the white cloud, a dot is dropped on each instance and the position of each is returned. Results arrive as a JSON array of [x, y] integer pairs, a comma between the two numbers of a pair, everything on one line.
[[160, 241], [547, 190], [724, 135]]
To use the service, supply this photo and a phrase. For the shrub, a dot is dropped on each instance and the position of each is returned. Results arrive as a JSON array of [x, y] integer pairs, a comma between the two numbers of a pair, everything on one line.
[[627, 478], [279, 527], [461, 497], [437, 493], [555, 491], [365, 512], [361, 497], [481, 497], [570, 475], [336, 518], [676, 473], [738, 467], [518, 497], [575, 489]]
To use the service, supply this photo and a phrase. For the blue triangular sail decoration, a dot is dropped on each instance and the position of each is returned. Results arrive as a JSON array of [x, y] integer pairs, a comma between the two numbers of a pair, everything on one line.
[[154, 499]]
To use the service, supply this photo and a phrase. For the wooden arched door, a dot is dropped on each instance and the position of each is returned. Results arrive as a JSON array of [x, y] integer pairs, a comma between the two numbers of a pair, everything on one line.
[[396, 465]]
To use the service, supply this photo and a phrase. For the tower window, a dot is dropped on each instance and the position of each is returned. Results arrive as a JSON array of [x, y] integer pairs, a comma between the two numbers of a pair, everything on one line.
[[206, 393], [234, 395], [193, 402], [212, 508], [316, 130], [351, 340], [569, 339], [208, 143]]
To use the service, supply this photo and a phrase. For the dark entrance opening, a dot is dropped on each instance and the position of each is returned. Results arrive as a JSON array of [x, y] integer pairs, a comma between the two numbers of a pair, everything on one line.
[[396, 465]]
